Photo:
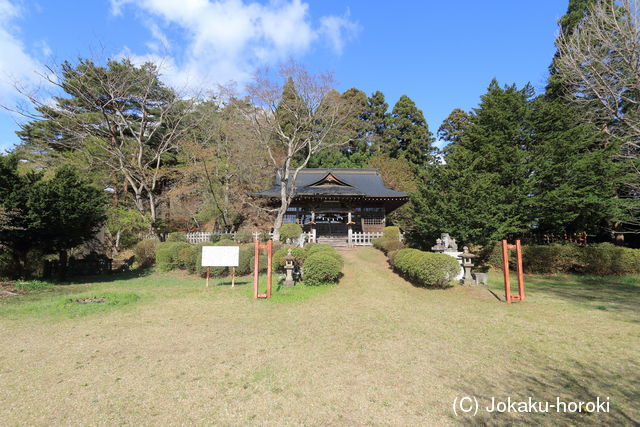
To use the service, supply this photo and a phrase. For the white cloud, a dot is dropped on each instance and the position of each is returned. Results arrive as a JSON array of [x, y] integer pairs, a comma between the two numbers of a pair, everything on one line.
[[17, 67], [226, 40], [338, 29]]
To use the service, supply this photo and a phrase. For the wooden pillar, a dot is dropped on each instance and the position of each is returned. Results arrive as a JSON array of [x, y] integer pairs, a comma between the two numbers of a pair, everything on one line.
[[505, 271], [313, 225]]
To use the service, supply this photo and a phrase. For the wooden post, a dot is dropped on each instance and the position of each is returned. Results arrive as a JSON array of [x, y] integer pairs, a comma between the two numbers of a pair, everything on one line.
[[269, 255], [505, 270], [233, 277], [520, 273], [208, 274], [255, 269]]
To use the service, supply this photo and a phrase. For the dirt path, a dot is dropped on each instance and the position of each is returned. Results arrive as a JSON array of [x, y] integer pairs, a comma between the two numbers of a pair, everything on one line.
[[372, 350]]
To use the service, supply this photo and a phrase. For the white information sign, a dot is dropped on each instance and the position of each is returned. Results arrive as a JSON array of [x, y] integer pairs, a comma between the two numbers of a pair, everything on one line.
[[220, 256]]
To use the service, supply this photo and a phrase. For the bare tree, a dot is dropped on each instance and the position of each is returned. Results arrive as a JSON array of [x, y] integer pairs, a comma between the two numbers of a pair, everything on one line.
[[294, 115], [224, 164], [601, 61], [120, 116]]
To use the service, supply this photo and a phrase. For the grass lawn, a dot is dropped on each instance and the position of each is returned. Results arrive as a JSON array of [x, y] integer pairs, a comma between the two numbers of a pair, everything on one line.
[[162, 349]]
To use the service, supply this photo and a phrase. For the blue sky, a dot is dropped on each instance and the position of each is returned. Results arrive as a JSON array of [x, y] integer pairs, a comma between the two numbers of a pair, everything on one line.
[[441, 54]]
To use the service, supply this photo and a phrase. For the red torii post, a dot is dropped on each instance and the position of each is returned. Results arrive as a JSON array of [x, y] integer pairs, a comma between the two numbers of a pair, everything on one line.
[[505, 269], [256, 268]]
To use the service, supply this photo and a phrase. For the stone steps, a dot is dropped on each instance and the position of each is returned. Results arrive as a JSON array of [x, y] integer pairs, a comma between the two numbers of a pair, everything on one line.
[[336, 242]]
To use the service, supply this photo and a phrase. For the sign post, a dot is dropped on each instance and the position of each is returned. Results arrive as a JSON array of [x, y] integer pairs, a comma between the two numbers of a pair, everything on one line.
[[221, 256]]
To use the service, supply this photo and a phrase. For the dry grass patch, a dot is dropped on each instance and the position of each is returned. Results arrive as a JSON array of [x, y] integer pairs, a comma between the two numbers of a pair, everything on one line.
[[373, 349]]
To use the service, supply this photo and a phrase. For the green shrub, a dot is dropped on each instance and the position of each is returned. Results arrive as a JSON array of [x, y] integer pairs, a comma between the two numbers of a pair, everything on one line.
[[321, 268], [167, 255], [547, 259], [299, 255], [145, 252], [426, 268], [335, 255], [188, 258], [244, 236], [245, 263], [607, 259], [391, 233], [226, 242], [176, 237], [602, 259], [386, 245], [264, 237], [391, 255], [214, 238], [290, 231], [313, 248]]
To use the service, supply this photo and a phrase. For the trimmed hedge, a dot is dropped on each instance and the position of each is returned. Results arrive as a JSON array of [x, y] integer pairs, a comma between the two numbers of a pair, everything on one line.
[[601, 259], [290, 231], [322, 268], [387, 245], [313, 248], [391, 233], [425, 268], [176, 237], [167, 255], [390, 240], [145, 252]]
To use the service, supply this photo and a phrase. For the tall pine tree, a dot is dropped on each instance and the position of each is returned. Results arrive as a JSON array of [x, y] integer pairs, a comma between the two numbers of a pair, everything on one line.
[[407, 134]]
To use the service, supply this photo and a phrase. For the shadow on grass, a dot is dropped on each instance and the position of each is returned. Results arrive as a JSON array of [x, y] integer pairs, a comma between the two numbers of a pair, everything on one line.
[[617, 294], [106, 278], [570, 381]]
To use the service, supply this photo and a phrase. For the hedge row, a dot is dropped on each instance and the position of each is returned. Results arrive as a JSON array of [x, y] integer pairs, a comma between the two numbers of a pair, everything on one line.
[[602, 259], [390, 240], [321, 263], [178, 255], [425, 268]]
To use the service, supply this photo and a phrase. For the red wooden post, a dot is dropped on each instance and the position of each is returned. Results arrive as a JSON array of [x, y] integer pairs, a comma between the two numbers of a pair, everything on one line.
[[505, 271], [255, 269], [269, 253], [520, 273]]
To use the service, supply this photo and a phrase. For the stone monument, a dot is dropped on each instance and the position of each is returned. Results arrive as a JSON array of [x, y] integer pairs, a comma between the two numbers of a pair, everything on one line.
[[288, 266], [467, 263], [448, 246]]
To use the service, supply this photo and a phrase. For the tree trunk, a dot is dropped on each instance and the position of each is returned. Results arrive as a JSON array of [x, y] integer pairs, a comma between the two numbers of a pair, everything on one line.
[[62, 262], [278, 222], [18, 259]]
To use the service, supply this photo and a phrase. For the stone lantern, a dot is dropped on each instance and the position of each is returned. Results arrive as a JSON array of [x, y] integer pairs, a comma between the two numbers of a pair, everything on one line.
[[288, 266], [467, 263]]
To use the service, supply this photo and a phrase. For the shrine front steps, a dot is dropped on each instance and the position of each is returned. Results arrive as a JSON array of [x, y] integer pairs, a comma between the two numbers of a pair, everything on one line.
[[335, 241]]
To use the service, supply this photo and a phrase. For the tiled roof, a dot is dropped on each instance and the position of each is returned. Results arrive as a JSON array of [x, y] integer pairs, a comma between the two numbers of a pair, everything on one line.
[[338, 182]]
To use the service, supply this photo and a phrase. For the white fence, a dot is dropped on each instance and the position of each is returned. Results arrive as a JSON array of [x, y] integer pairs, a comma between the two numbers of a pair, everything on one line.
[[354, 238], [205, 236], [363, 239]]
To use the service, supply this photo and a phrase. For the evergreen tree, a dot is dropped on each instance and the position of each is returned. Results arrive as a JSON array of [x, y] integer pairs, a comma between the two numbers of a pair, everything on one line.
[[356, 129], [51, 215], [453, 127], [378, 117], [407, 134], [481, 192], [575, 180]]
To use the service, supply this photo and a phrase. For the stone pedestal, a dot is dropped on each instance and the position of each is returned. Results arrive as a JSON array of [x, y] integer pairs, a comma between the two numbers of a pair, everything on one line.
[[288, 266], [467, 263]]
